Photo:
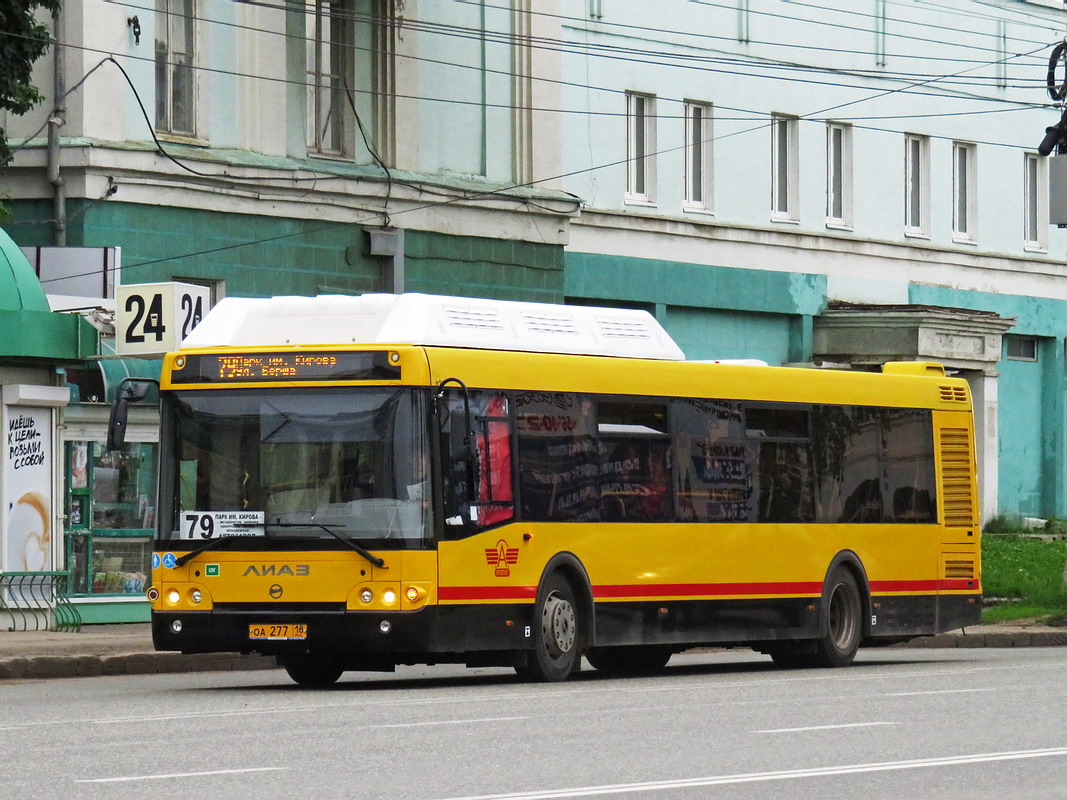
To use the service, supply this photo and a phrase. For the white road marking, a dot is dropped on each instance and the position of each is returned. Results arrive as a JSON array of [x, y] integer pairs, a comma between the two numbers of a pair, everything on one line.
[[783, 775], [826, 727], [128, 778], [444, 722], [939, 691]]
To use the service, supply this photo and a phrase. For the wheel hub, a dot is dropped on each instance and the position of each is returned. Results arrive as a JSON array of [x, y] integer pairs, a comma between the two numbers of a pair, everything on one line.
[[558, 625]]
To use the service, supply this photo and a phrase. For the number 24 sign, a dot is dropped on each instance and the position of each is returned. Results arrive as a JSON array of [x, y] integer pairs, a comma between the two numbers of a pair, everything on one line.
[[153, 318]]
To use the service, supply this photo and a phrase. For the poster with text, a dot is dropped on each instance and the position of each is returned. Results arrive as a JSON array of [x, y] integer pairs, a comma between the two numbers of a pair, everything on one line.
[[28, 470]]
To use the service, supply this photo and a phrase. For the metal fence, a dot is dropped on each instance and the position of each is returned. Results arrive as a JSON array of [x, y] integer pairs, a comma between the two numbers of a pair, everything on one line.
[[38, 600]]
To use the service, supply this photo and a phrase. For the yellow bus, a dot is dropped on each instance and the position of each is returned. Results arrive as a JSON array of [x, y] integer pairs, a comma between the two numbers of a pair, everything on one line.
[[358, 483]]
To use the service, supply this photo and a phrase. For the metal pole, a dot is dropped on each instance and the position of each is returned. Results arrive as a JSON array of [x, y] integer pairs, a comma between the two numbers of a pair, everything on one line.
[[55, 122]]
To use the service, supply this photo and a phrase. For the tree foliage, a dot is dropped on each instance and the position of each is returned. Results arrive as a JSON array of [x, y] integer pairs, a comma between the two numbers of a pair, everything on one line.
[[22, 41]]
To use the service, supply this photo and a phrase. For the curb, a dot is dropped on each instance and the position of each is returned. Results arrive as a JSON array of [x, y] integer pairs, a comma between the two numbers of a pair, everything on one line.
[[86, 666], [1013, 639]]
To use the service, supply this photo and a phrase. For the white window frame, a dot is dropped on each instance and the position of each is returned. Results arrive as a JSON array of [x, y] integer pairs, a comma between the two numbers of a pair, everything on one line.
[[838, 175], [785, 171], [327, 68], [964, 192], [176, 72], [699, 150], [1035, 203], [640, 148], [916, 185]]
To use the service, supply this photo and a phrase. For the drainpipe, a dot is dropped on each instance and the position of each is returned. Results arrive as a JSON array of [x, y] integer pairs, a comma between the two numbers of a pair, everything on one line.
[[55, 122]]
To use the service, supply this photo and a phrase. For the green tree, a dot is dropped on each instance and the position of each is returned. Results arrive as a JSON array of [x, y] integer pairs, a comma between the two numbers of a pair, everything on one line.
[[22, 41]]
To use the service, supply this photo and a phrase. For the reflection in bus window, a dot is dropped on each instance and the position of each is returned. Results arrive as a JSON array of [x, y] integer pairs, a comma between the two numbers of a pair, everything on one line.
[[712, 475], [633, 462], [558, 473]]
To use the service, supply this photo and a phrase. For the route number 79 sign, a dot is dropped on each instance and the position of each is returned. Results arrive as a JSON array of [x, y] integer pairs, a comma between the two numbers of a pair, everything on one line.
[[152, 318]]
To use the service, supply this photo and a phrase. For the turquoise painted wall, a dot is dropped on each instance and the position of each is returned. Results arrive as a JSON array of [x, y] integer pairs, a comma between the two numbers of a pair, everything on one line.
[[712, 312]]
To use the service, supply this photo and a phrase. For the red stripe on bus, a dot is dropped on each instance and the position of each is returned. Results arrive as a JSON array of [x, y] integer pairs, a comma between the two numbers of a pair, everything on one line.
[[696, 589], [487, 592], [782, 589]]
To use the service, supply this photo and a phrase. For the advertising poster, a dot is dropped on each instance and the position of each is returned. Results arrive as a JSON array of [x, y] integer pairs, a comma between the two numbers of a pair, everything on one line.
[[28, 469]]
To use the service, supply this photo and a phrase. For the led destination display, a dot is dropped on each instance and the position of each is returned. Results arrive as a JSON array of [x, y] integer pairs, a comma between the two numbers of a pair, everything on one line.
[[284, 366]]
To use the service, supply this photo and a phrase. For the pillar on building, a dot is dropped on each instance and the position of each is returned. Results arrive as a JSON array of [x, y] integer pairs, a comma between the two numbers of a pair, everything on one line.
[[965, 341]]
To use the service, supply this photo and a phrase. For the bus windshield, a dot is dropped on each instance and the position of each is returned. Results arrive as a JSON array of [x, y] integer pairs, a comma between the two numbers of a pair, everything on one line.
[[306, 463]]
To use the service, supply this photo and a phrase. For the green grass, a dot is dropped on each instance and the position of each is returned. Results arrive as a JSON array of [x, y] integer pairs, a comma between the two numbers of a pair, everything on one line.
[[1028, 572]]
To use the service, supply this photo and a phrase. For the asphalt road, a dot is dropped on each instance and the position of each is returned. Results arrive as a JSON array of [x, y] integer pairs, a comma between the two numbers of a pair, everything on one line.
[[898, 724]]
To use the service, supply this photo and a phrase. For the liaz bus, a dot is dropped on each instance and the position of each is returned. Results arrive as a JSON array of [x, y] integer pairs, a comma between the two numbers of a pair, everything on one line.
[[358, 483]]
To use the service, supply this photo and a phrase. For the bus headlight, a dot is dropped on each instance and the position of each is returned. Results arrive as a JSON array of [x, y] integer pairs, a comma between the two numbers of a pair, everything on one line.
[[173, 596], [196, 595], [176, 626], [366, 595], [388, 597]]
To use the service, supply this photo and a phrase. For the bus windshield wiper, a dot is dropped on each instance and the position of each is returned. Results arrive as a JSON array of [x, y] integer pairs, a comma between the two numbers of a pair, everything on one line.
[[363, 551], [210, 545]]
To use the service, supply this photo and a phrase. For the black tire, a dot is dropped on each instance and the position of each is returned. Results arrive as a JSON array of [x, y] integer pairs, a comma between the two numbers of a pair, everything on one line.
[[629, 660], [309, 670], [840, 629], [556, 633]]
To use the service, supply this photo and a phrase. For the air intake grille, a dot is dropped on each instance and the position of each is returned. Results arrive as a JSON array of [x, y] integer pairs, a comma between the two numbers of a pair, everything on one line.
[[473, 318], [957, 477], [953, 394], [550, 323], [615, 328], [959, 569]]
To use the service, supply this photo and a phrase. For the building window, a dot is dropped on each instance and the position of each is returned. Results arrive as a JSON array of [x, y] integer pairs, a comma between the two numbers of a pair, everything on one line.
[[964, 191], [916, 185], [838, 175], [1035, 202], [698, 156], [175, 79], [1020, 348], [326, 73], [784, 169], [640, 147]]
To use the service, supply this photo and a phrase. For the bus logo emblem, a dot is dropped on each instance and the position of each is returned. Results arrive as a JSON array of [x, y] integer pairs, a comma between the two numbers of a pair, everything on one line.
[[502, 557]]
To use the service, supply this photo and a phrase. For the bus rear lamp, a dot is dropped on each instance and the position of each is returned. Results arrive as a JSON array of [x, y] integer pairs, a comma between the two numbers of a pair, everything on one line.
[[388, 597], [196, 596], [366, 595], [173, 596], [412, 594], [176, 626], [153, 594]]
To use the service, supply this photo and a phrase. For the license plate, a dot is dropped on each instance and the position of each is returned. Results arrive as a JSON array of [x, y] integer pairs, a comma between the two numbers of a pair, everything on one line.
[[278, 633]]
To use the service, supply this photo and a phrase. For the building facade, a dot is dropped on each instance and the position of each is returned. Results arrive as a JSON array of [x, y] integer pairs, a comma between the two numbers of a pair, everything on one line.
[[804, 183]]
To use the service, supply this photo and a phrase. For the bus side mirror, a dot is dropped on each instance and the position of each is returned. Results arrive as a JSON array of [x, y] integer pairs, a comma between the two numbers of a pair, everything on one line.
[[131, 390]]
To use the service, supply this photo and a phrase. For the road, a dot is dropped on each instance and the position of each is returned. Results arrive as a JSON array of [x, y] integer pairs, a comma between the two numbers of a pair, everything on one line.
[[898, 724]]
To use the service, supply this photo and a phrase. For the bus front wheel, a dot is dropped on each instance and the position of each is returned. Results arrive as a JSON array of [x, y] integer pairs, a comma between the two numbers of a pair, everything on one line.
[[310, 670], [556, 649]]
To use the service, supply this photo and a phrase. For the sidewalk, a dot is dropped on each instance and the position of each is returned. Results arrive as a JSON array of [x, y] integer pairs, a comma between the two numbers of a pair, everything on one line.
[[127, 650]]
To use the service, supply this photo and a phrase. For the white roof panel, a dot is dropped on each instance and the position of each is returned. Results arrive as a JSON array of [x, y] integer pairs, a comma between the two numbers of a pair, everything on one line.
[[436, 320]]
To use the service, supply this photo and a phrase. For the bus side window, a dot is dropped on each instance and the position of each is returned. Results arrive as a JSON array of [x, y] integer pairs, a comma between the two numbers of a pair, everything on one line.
[[477, 463]]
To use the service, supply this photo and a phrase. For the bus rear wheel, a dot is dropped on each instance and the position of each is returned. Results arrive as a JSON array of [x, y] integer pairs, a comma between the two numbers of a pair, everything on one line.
[[840, 628], [309, 670], [557, 650], [629, 660]]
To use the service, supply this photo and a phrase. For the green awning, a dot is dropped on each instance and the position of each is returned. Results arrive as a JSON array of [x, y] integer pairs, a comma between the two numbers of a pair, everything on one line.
[[28, 329], [115, 369]]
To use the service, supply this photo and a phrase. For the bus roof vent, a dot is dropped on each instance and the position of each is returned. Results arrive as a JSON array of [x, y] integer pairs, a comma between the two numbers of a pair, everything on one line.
[[433, 320], [480, 319]]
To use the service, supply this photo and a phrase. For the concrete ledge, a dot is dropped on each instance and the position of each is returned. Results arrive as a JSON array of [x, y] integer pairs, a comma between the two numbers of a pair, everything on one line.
[[86, 666]]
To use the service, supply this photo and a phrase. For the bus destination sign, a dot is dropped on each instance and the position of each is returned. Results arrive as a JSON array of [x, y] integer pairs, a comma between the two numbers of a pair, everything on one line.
[[341, 365]]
